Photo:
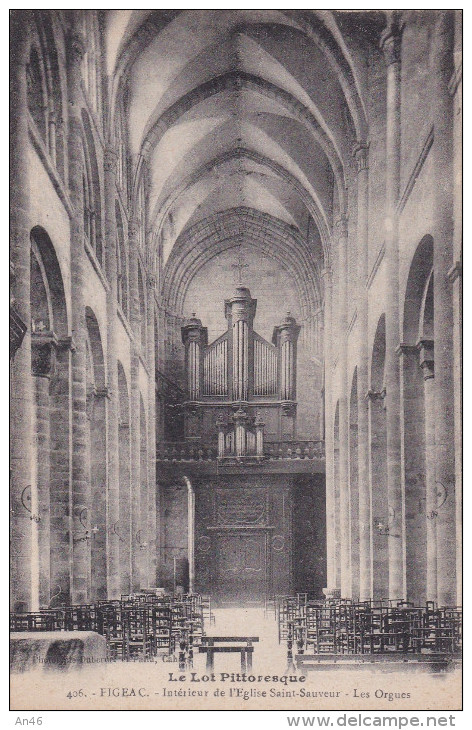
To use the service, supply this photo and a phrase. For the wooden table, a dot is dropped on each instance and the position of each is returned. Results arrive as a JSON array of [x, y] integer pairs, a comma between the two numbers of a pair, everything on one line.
[[208, 647]]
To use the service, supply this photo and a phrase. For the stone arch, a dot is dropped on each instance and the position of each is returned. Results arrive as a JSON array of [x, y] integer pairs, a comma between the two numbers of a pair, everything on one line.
[[123, 528], [417, 378], [354, 488], [206, 239], [420, 271], [240, 79], [50, 364], [96, 420], [378, 464], [312, 205]]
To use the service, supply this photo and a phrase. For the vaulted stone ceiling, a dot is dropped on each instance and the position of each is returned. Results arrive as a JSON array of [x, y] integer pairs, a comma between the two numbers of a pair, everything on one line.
[[231, 110]]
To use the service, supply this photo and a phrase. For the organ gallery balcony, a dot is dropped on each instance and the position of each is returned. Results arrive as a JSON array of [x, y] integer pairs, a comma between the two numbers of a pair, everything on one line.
[[278, 456]]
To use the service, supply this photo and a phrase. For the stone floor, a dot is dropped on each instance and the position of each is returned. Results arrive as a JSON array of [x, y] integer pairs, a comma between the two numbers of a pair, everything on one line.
[[159, 684]]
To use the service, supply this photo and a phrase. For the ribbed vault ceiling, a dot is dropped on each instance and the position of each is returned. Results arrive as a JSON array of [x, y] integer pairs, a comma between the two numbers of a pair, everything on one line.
[[230, 110]]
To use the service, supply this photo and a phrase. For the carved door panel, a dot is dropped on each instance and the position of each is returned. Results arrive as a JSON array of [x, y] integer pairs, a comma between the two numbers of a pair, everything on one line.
[[240, 567]]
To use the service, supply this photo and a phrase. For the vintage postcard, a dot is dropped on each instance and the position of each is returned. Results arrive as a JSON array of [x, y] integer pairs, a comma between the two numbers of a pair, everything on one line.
[[236, 360]]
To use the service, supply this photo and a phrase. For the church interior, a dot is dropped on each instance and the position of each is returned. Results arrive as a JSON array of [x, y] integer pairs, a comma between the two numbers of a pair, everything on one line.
[[235, 328]]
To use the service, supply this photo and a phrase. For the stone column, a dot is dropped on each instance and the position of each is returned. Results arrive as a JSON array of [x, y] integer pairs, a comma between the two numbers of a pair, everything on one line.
[[391, 46], [80, 470], [135, 321], [329, 433], [365, 519], [113, 480], [426, 350], [443, 233], [153, 527], [21, 386], [344, 495], [455, 275], [42, 366]]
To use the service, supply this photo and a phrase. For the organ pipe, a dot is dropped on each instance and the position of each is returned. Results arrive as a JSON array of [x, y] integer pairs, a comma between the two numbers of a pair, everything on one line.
[[194, 337], [285, 338]]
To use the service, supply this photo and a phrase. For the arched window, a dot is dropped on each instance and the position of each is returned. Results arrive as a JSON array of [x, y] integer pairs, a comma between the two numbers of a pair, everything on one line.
[[91, 193], [37, 92], [45, 89]]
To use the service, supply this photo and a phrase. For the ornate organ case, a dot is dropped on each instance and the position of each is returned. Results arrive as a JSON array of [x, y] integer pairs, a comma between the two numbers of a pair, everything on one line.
[[241, 388]]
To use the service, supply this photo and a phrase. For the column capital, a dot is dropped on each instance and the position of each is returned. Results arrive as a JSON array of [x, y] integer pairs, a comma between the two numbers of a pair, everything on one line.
[[426, 349], [360, 152], [404, 349], [390, 39], [66, 343], [374, 395], [340, 226], [455, 271], [43, 354]]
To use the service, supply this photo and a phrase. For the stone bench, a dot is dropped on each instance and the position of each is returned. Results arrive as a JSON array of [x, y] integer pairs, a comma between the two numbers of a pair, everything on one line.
[[61, 650]]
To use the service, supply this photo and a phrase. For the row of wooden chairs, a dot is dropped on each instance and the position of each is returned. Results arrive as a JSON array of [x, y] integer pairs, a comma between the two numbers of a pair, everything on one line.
[[137, 625], [370, 627]]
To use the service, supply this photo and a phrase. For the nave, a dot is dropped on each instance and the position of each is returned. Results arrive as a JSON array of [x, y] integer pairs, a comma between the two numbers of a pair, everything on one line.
[[278, 675], [236, 330]]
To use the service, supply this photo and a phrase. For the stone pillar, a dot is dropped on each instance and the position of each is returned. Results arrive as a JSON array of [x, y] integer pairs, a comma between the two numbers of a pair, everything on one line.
[[80, 470], [135, 321], [113, 480], [329, 433], [43, 350], [426, 350], [455, 275], [365, 519], [21, 412], [443, 233], [344, 494], [391, 46], [152, 526]]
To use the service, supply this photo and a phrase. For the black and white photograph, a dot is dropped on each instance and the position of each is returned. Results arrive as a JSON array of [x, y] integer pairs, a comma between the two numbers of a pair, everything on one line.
[[235, 360]]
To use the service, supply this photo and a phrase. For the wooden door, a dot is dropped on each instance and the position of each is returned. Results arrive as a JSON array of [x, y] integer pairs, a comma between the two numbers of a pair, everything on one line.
[[241, 567]]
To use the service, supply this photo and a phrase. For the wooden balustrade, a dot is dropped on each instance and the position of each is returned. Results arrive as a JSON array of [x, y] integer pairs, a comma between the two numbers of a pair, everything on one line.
[[189, 451]]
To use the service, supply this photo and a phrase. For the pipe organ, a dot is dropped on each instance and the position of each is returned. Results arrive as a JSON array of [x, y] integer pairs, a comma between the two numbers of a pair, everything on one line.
[[240, 384]]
